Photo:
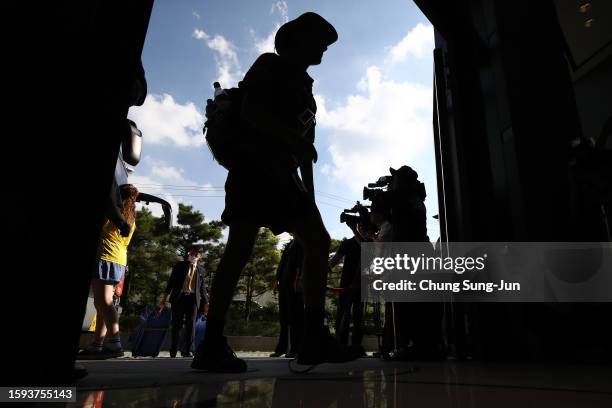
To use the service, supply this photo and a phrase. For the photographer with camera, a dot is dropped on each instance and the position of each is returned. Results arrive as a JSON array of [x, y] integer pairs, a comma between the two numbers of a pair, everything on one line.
[[394, 343], [411, 330], [349, 302], [409, 217]]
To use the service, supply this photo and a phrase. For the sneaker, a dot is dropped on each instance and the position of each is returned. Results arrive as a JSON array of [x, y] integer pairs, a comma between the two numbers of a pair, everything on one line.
[[291, 354], [324, 348], [107, 353], [186, 354], [218, 357], [276, 354]]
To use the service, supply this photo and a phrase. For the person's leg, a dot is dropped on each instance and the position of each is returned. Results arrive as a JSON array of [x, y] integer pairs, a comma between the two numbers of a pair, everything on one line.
[[100, 331], [237, 253], [388, 338], [343, 318], [310, 232], [104, 291], [357, 336], [296, 321], [190, 315], [283, 317], [317, 345], [177, 324], [213, 354]]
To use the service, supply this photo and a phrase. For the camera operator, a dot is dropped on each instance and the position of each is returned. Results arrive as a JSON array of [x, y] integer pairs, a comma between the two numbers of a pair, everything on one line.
[[407, 195], [395, 344], [419, 322], [349, 302]]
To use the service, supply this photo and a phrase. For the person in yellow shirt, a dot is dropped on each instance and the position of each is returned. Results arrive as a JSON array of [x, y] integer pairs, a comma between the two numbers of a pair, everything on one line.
[[110, 268]]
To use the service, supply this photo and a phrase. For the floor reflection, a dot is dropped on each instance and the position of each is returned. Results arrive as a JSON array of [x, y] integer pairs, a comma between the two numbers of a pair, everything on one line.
[[384, 388]]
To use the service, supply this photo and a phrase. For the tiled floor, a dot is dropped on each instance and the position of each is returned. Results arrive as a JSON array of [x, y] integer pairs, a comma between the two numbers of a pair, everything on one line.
[[165, 382]]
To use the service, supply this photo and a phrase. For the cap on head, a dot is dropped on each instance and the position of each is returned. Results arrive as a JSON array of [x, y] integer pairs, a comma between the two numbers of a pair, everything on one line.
[[405, 172], [308, 25]]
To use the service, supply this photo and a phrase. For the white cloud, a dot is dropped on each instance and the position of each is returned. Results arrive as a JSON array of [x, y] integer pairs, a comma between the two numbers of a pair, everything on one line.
[[384, 123], [266, 44], [419, 42], [155, 177], [196, 14], [199, 34], [282, 9], [283, 239], [229, 71], [387, 124], [162, 120], [168, 173]]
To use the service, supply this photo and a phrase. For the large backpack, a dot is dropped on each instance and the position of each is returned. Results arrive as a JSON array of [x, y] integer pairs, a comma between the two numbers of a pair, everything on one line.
[[225, 130]]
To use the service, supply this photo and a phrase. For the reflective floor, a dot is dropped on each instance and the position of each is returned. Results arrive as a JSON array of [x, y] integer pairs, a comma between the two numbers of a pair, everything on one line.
[[165, 382]]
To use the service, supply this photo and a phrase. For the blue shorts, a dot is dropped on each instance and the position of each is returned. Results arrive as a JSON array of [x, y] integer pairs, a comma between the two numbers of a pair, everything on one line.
[[110, 272]]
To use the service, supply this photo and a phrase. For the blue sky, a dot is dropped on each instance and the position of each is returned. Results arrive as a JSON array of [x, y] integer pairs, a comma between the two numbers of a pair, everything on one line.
[[373, 91]]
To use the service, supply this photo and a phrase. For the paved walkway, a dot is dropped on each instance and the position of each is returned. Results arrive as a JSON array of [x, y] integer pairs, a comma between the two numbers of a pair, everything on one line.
[[367, 382]]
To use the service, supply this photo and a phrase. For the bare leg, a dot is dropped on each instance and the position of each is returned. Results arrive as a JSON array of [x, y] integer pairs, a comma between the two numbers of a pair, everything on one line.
[[100, 332], [103, 298]]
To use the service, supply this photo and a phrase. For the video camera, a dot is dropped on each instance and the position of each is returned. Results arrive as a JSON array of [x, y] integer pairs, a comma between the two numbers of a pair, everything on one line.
[[377, 191], [358, 214], [383, 181]]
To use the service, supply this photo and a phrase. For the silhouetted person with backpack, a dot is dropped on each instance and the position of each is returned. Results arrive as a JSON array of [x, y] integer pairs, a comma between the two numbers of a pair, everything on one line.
[[264, 190]]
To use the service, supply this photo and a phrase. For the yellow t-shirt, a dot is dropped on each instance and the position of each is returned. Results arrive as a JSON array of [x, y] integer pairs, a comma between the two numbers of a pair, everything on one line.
[[113, 247]]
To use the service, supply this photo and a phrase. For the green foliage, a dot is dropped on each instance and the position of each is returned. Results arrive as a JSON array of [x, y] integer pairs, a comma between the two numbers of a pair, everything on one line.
[[192, 228], [263, 321], [151, 255], [259, 274], [153, 252], [334, 245]]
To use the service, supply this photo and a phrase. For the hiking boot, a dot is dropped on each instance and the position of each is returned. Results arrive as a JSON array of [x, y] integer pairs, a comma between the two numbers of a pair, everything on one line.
[[215, 355], [324, 348]]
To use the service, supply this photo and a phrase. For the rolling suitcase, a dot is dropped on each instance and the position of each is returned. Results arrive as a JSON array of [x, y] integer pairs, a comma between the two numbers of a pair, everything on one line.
[[147, 339], [200, 329]]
